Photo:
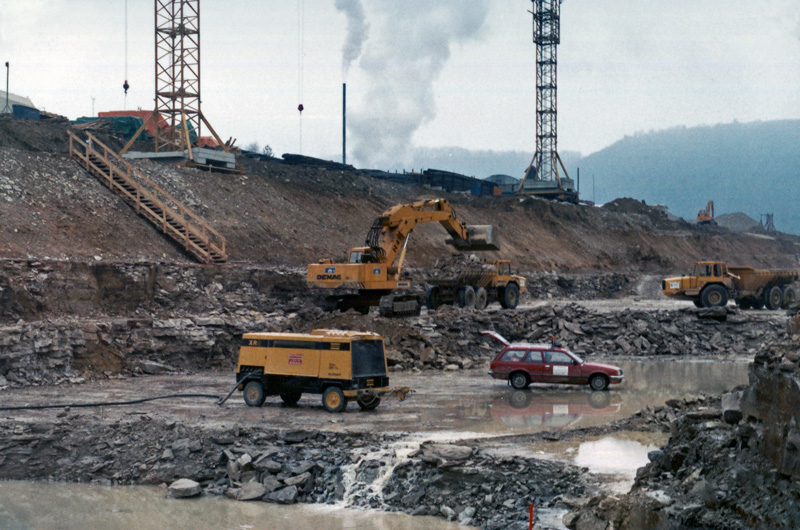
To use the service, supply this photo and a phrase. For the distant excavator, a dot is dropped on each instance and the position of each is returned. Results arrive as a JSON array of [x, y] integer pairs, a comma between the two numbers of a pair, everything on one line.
[[375, 271], [706, 217]]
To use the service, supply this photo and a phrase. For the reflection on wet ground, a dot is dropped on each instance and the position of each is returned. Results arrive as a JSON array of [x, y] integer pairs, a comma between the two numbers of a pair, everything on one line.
[[616, 456], [26, 505], [647, 384], [445, 405]]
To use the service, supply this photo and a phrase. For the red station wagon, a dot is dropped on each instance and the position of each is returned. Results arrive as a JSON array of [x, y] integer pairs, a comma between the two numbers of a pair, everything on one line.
[[522, 364]]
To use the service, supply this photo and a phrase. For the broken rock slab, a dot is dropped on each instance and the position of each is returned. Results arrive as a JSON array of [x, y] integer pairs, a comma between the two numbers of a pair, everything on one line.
[[184, 487], [251, 491], [732, 407], [154, 367], [447, 452], [283, 496]]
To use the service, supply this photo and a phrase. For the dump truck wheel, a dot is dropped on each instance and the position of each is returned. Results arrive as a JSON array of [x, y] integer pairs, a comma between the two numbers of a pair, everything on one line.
[[433, 298], [714, 296], [519, 380], [790, 296], [333, 399], [744, 303], [291, 398], [481, 298], [369, 404], [254, 394], [697, 303], [598, 382], [511, 296], [501, 297], [773, 297], [466, 296]]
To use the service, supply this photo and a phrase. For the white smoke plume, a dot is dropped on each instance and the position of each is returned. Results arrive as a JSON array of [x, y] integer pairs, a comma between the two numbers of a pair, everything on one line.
[[357, 32], [402, 62]]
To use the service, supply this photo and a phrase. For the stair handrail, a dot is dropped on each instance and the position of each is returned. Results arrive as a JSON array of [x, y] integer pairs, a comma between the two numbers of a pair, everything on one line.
[[206, 228]]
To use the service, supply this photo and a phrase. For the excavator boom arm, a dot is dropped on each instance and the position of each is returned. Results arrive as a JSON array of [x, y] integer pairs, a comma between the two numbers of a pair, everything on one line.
[[389, 233]]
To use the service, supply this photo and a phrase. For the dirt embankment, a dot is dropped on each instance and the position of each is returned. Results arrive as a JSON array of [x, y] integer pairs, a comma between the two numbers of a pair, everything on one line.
[[287, 215]]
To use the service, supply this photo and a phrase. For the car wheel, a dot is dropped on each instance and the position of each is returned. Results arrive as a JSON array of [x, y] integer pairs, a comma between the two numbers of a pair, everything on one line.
[[519, 399], [291, 398], [519, 380], [254, 394], [333, 399], [599, 400], [598, 382]]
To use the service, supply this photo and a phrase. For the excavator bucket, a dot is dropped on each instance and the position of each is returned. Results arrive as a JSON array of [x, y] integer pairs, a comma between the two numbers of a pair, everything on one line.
[[480, 238]]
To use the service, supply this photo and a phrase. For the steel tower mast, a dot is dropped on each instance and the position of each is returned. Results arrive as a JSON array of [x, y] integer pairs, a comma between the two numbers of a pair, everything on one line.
[[542, 178], [177, 72]]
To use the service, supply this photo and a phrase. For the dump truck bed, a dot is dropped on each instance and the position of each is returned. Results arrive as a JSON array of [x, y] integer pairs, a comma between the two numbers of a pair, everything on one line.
[[750, 279], [479, 275]]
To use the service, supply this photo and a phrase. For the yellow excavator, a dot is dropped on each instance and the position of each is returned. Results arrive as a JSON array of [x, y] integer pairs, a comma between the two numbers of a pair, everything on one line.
[[375, 270]]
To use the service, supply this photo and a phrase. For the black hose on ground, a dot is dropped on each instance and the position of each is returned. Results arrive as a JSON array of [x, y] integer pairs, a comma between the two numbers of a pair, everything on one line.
[[222, 400], [115, 403]]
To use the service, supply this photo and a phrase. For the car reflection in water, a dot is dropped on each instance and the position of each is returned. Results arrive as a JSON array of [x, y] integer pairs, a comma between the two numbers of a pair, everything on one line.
[[553, 409]]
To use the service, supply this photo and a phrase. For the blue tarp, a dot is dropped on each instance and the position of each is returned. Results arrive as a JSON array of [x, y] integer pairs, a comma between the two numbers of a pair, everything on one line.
[[125, 126], [22, 112]]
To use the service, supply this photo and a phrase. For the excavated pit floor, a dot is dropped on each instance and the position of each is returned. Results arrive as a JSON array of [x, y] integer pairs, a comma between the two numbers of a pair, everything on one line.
[[446, 406]]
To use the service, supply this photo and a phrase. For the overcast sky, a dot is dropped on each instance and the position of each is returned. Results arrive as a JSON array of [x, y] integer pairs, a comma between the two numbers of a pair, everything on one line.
[[421, 72]]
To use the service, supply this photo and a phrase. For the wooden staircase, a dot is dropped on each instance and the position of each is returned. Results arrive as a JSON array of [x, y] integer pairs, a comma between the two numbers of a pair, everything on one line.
[[148, 199]]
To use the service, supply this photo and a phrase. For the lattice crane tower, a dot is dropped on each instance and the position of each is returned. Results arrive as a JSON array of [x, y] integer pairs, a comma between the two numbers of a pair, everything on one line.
[[177, 69], [542, 176]]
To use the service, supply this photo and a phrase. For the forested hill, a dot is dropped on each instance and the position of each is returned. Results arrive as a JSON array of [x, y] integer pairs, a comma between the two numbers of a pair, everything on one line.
[[743, 167]]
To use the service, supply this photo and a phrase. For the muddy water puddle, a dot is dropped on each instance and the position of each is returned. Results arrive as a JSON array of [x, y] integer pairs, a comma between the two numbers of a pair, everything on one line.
[[492, 407], [444, 405], [25, 505], [615, 457]]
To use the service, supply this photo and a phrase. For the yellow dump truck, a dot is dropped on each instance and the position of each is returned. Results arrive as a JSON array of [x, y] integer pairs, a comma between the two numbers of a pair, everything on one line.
[[343, 366], [713, 284], [477, 286]]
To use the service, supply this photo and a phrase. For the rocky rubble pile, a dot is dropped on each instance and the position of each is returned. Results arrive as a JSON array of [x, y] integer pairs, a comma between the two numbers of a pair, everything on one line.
[[551, 285], [450, 338], [65, 319], [245, 463], [732, 463], [49, 351]]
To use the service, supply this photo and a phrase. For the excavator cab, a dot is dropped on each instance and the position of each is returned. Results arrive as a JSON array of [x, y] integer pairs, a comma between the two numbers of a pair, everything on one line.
[[363, 255]]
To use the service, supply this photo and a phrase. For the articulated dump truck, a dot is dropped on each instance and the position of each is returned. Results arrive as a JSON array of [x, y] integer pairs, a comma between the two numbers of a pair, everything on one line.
[[476, 285], [713, 284]]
